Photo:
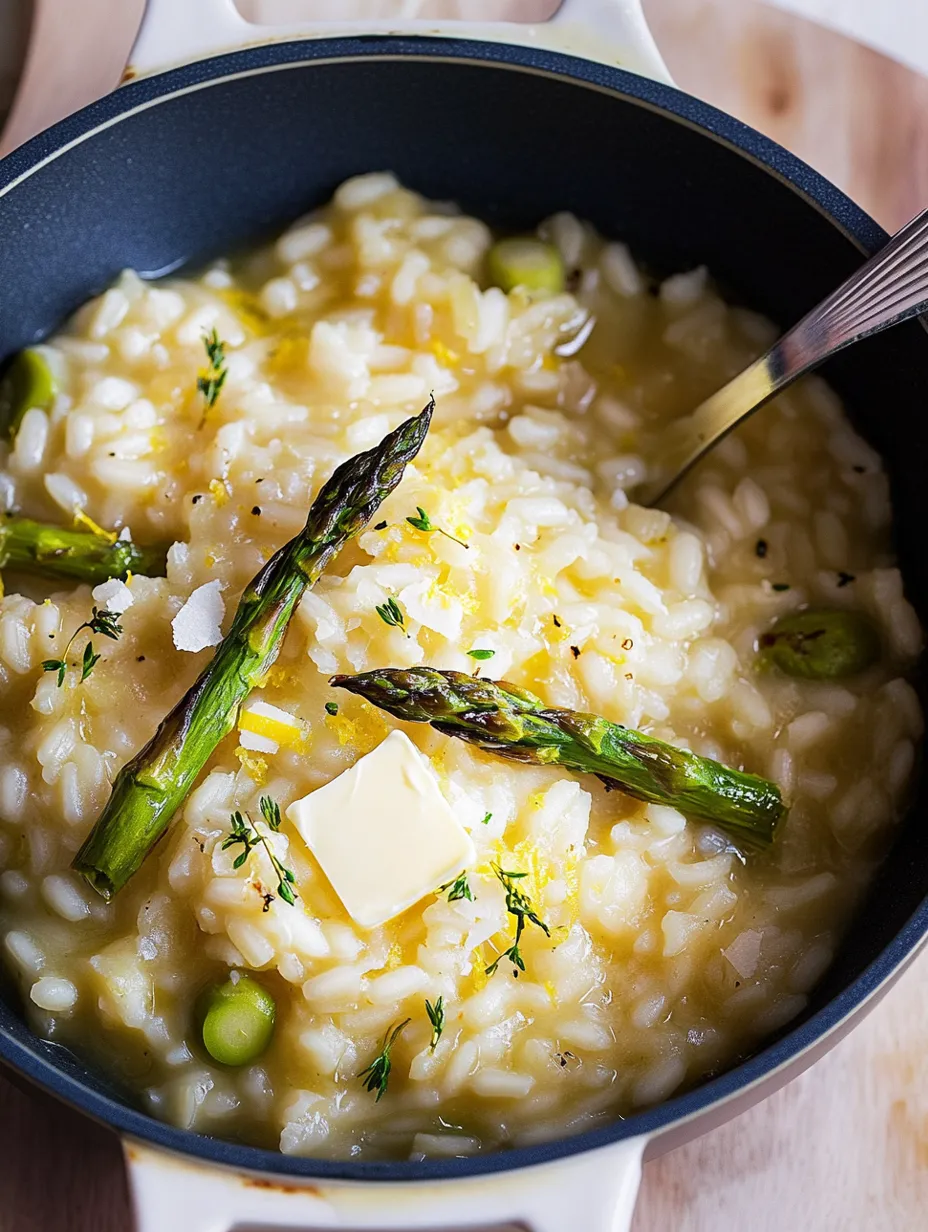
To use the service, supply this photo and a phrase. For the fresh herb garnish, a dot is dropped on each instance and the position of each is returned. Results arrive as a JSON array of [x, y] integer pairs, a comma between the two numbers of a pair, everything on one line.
[[377, 1074], [519, 905], [481, 655], [245, 832], [459, 888], [106, 624], [424, 523], [381, 526], [211, 380], [392, 614], [88, 662], [331, 708], [436, 1015], [485, 821]]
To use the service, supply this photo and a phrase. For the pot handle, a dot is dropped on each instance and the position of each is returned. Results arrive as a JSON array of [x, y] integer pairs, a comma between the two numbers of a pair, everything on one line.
[[69, 63], [594, 1191], [612, 32]]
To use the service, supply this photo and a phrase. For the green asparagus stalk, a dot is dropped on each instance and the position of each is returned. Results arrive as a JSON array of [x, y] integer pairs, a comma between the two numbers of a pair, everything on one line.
[[511, 722], [35, 547], [150, 788]]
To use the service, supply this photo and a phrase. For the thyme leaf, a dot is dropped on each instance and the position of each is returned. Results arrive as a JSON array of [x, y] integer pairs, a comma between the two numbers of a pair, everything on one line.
[[424, 523], [211, 380], [88, 662], [459, 888], [377, 1075], [392, 614], [518, 904], [436, 1014]]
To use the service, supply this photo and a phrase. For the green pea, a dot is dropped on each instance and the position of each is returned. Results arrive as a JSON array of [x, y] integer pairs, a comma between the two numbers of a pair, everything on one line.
[[821, 643], [526, 262], [27, 382], [239, 1021]]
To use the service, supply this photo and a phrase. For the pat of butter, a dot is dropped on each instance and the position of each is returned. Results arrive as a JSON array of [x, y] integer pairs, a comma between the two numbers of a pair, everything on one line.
[[383, 833]]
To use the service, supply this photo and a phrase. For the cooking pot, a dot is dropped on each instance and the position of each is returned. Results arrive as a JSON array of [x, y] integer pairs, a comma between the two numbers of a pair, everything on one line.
[[514, 122]]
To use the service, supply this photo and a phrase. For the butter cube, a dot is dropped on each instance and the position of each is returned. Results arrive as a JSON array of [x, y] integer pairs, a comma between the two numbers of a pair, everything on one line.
[[383, 833]]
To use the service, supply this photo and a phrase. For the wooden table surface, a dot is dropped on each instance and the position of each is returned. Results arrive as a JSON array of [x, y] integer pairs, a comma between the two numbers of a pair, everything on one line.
[[844, 1147]]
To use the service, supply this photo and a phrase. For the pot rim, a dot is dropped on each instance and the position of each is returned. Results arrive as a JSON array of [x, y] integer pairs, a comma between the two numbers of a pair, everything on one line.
[[817, 192]]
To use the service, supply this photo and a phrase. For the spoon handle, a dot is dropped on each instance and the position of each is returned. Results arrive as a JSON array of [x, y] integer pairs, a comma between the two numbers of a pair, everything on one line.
[[891, 287]]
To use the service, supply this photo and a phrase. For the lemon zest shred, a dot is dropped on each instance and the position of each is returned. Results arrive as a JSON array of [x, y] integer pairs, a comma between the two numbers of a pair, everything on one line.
[[83, 519], [254, 767], [444, 354], [288, 355], [158, 438], [219, 491], [363, 733], [394, 957], [287, 734], [247, 308], [478, 975], [277, 677]]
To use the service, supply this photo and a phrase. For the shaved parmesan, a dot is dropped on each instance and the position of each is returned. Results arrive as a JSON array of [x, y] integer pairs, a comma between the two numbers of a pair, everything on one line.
[[114, 595], [198, 624], [744, 952]]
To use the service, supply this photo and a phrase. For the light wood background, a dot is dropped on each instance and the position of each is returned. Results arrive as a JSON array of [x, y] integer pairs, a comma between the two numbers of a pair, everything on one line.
[[845, 1147]]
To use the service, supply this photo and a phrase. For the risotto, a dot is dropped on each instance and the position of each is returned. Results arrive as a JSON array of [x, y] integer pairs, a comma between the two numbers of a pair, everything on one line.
[[656, 949]]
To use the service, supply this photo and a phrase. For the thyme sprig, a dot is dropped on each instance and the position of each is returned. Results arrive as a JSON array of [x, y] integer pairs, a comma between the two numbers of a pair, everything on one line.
[[377, 1075], [392, 614], [457, 889], [519, 905], [436, 1014], [244, 831], [103, 622], [424, 523], [211, 380]]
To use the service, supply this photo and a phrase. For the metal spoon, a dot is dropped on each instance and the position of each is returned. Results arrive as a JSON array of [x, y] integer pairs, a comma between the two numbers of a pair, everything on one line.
[[891, 287]]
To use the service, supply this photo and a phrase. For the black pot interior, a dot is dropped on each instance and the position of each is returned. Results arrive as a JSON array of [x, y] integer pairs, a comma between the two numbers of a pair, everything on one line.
[[215, 168]]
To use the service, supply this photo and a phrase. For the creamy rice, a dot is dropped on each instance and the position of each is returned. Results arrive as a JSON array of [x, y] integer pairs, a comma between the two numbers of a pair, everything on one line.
[[672, 953]]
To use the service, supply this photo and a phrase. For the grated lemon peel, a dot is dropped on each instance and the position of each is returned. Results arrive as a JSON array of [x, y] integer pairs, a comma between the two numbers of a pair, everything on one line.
[[444, 354], [83, 519], [247, 308], [254, 767], [219, 491], [260, 718]]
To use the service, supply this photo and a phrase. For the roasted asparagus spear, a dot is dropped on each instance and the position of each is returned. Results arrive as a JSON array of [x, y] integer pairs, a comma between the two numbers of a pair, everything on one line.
[[511, 722], [152, 786], [80, 555]]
